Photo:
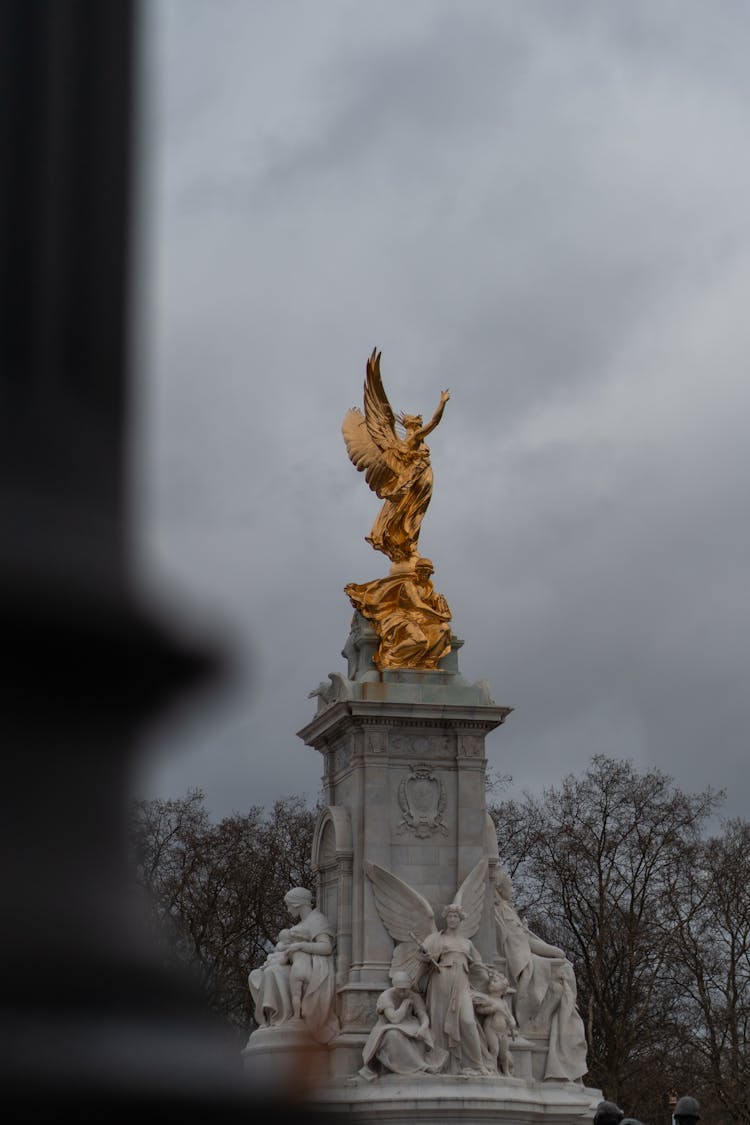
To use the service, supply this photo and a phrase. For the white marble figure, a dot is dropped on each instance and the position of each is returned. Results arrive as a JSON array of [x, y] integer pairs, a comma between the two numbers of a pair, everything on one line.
[[498, 1022], [401, 1041], [297, 979], [440, 960], [545, 987]]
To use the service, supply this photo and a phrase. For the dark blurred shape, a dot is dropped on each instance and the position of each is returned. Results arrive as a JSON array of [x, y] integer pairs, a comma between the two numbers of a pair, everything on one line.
[[687, 1111], [607, 1113], [94, 1027]]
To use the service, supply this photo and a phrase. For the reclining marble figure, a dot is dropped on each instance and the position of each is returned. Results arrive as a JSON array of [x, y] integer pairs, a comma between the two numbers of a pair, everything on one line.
[[545, 987]]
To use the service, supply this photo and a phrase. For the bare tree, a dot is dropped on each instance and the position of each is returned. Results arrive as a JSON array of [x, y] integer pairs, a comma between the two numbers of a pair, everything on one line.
[[596, 861], [216, 890], [712, 972]]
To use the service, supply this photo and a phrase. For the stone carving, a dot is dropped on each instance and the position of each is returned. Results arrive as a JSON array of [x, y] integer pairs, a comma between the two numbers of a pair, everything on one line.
[[297, 981], [359, 647], [470, 746], [339, 687], [411, 620], [376, 742], [545, 987], [419, 746], [358, 1009], [422, 799], [327, 846], [401, 1041], [498, 1022], [396, 468], [439, 963], [342, 758]]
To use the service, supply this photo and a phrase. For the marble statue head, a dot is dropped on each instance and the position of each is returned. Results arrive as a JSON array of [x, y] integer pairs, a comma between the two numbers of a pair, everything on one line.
[[297, 899], [497, 982], [401, 980], [454, 910]]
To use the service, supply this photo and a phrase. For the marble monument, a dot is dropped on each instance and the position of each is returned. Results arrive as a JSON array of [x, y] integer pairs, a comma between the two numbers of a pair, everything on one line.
[[423, 994]]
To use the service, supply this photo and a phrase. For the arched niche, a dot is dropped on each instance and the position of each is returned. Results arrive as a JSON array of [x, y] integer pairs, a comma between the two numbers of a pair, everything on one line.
[[332, 852]]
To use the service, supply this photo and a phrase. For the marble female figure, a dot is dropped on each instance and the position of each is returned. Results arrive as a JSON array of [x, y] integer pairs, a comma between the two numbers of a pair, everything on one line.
[[297, 980], [453, 1020], [546, 987], [312, 983]]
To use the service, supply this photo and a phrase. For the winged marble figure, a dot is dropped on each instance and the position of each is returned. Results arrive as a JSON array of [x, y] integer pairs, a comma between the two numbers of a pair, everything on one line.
[[396, 465], [439, 962]]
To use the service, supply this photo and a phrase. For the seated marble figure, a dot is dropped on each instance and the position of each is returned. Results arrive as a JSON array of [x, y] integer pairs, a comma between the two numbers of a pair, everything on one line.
[[401, 1041], [296, 981]]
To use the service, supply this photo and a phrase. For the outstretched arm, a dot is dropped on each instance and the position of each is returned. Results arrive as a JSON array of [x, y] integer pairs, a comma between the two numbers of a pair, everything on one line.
[[543, 948], [436, 416]]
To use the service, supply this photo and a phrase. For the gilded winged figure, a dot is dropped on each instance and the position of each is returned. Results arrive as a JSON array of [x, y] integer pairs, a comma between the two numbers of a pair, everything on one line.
[[439, 962], [397, 468]]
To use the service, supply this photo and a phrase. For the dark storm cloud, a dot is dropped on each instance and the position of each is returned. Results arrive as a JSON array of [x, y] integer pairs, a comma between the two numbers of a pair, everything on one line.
[[541, 206]]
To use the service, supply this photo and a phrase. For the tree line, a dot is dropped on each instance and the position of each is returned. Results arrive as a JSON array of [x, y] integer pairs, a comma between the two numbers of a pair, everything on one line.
[[637, 880]]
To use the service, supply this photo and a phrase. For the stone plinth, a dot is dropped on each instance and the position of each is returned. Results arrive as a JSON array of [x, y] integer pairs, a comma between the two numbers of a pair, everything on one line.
[[459, 1101]]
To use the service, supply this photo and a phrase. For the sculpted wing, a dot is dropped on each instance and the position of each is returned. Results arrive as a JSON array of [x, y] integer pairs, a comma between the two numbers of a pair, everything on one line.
[[379, 416], [403, 911], [371, 440], [471, 896]]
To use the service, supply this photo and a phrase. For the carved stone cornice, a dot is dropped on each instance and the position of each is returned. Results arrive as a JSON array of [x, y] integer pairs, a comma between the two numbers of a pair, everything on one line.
[[329, 724]]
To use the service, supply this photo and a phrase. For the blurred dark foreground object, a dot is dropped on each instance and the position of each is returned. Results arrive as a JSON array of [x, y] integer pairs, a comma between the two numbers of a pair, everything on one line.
[[93, 1026]]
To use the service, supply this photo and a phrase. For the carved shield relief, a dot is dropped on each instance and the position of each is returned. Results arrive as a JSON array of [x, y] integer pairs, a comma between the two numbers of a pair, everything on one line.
[[422, 799]]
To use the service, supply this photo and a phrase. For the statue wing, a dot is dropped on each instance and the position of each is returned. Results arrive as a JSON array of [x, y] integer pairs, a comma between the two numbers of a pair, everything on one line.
[[403, 911], [471, 896], [371, 440]]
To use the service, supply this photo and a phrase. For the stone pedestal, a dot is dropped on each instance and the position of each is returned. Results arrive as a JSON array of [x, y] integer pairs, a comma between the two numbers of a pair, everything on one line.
[[459, 1101], [404, 788], [403, 775]]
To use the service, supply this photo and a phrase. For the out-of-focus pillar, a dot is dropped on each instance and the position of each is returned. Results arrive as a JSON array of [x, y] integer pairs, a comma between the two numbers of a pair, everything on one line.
[[92, 1025]]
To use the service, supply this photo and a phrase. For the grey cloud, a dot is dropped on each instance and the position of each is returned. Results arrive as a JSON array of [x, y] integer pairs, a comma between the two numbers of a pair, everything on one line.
[[540, 206]]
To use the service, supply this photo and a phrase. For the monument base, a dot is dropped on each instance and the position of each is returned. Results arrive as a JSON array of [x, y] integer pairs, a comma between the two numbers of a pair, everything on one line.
[[285, 1061], [453, 1100]]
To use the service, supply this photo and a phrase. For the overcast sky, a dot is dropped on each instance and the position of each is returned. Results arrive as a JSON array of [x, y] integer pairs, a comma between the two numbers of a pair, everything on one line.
[[543, 207]]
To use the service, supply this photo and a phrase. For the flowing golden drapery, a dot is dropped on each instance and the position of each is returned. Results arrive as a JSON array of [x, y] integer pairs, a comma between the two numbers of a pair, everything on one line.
[[411, 620]]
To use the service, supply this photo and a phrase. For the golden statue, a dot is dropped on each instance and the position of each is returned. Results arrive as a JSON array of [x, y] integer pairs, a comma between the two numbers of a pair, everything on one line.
[[411, 620], [397, 469]]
